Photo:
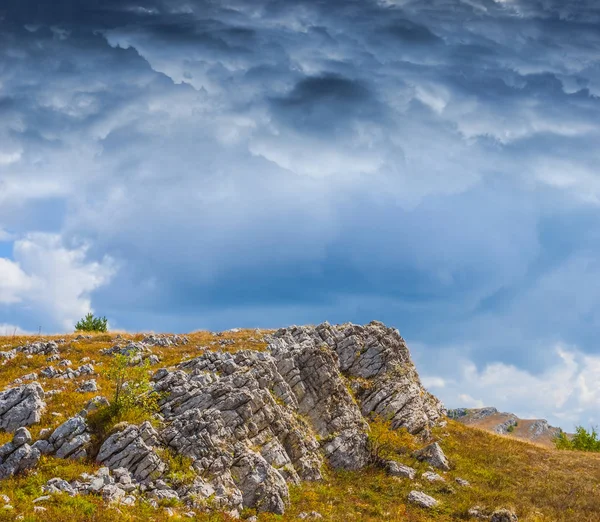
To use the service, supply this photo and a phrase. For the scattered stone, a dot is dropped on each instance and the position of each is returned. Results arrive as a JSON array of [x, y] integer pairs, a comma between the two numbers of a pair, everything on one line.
[[21, 406], [462, 482], [434, 455], [422, 500], [503, 515], [39, 509], [58, 485], [395, 469], [312, 515], [41, 499], [430, 476], [88, 386], [5, 499], [477, 512]]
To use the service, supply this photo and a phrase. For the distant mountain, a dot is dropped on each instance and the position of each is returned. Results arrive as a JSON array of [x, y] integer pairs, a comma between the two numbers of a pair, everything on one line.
[[534, 430]]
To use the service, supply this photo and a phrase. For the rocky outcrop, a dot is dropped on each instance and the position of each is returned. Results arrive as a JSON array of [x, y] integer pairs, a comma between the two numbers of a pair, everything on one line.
[[502, 423], [17, 456], [69, 440], [385, 382], [21, 406], [252, 422], [133, 449]]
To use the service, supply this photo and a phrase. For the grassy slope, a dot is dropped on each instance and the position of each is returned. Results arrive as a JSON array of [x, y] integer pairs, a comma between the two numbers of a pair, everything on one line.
[[540, 484]]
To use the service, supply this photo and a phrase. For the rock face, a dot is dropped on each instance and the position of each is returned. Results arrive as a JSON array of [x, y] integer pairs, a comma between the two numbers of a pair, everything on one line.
[[379, 355], [253, 422], [249, 423], [21, 406], [17, 456]]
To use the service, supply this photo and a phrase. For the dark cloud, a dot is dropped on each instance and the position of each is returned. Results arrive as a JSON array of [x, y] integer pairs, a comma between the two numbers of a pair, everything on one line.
[[213, 164]]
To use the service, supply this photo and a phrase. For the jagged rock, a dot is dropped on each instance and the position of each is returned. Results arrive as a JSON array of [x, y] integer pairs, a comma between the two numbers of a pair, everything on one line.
[[21, 406], [262, 486], [88, 386], [17, 456], [430, 476], [421, 499], [434, 455], [462, 482], [58, 485], [133, 448], [37, 348], [380, 355], [112, 493], [50, 372], [165, 340], [70, 438], [395, 469], [503, 515]]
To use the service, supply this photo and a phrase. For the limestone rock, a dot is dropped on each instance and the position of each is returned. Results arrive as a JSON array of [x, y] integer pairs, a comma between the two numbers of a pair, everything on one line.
[[21, 406], [503, 515], [421, 499], [434, 455], [70, 439], [378, 354], [133, 449], [88, 386], [430, 476], [17, 456], [395, 469]]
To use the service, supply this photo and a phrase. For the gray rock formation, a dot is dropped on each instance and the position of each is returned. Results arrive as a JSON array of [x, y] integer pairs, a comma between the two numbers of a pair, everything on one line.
[[434, 455], [17, 456], [21, 406], [395, 469], [378, 354], [133, 449], [421, 499], [69, 440]]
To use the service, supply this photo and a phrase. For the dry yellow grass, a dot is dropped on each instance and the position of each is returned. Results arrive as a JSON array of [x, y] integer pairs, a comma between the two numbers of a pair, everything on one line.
[[539, 483]]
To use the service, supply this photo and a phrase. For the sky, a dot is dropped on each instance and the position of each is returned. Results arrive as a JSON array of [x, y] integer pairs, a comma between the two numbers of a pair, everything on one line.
[[178, 165]]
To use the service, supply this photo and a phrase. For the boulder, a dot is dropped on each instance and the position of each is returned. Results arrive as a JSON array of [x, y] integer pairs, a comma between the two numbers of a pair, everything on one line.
[[421, 499], [434, 455], [395, 469], [133, 448], [17, 456], [21, 406]]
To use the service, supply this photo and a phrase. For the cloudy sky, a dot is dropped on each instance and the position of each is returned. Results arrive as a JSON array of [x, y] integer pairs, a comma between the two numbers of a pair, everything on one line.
[[186, 164]]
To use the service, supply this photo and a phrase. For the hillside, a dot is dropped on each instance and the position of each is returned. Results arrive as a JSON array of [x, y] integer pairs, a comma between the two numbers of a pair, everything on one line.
[[265, 424], [533, 430]]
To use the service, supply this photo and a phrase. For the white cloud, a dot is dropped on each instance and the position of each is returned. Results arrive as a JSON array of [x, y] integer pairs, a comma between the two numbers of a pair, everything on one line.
[[52, 280], [567, 392]]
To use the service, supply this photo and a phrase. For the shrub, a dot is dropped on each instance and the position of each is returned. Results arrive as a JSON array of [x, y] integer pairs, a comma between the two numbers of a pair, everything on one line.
[[583, 440], [134, 400], [92, 324]]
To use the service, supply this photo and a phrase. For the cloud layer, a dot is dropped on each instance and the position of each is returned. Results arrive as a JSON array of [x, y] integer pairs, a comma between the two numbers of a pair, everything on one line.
[[179, 164]]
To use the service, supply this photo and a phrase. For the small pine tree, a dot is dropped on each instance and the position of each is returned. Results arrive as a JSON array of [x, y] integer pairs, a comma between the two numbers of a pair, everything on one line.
[[92, 324]]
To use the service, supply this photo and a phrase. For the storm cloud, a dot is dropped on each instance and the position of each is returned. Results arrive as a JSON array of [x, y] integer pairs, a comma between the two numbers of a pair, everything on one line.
[[185, 164]]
